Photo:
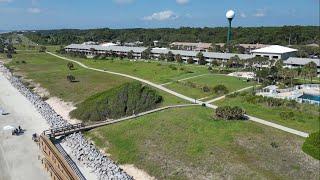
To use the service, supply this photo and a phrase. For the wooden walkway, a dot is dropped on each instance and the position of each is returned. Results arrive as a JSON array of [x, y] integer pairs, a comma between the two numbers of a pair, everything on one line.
[[73, 128]]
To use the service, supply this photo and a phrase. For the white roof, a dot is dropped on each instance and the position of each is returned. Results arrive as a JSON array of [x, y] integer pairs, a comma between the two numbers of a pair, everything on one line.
[[274, 49], [301, 61], [108, 44]]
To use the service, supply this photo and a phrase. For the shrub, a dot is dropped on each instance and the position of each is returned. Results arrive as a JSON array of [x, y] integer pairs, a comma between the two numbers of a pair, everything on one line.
[[71, 78], [124, 100], [23, 62], [274, 145], [70, 65], [206, 89], [287, 115], [311, 145], [230, 113], [172, 67], [220, 89], [209, 68]]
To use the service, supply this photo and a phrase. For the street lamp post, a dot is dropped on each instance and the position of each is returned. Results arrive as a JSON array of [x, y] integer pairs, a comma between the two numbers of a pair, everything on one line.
[[230, 15]]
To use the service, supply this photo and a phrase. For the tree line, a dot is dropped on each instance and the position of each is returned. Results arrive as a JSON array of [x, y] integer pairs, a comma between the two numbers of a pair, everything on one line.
[[296, 35]]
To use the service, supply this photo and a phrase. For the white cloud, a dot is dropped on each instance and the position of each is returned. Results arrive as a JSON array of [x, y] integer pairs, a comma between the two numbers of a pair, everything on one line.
[[243, 15], [260, 13], [5, 1], [162, 16], [123, 1], [182, 1], [34, 10]]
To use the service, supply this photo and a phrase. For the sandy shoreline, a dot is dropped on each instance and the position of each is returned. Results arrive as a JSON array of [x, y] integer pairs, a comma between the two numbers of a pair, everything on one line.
[[19, 154]]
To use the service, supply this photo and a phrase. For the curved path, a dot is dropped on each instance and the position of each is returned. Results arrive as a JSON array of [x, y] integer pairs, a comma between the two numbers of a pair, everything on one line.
[[258, 120]]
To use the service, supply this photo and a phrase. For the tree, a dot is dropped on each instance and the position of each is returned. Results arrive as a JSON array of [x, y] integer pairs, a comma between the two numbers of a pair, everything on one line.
[[170, 56], [178, 58], [162, 57], [10, 49], [70, 66], [1, 47], [42, 49], [130, 54], [9, 55], [190, 60], [146, 54], [311, 70], [233, 61], [241, 50], [216, 48], [220, 89], [262, 75], [201, 58], [215, 63]]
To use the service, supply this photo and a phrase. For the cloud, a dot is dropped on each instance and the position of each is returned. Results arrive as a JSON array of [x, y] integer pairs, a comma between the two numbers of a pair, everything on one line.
[[243, 15], [162, 16], [123, 1], [5, 1], [260, 13], [182, 1], [34, 10]]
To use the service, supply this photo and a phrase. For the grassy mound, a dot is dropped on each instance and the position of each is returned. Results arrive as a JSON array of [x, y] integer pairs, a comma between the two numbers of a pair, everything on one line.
[[312, 145], [121, 101]]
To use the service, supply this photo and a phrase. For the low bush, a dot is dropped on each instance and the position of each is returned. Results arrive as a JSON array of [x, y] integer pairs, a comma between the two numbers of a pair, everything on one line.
[[311, 145], [71, 78], [172, 67], [125, 100], [230, 113], [206, 89], [287, 115], [220, 89]]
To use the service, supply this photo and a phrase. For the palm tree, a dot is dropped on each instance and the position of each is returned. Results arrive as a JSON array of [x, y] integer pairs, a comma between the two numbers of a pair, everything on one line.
[[201, 59], [170, 56], [130, 54], [190, 60], [311, 69], [178, 58]]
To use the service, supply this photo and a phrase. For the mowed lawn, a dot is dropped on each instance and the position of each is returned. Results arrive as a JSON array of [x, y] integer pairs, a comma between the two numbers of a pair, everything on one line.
[[210, 80], [305, 119], [51, 73], [188, 144], [157, 72]]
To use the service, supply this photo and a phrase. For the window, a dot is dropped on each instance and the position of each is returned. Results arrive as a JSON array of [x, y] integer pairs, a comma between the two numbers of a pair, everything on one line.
[[275, 57]]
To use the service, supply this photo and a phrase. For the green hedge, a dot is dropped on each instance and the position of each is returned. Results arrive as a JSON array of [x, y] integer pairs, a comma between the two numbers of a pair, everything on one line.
[[312, 145], [118, 102]]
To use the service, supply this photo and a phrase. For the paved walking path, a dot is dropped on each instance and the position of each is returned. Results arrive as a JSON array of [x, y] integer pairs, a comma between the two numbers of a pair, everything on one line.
[[270, 124], [135, 78], [222, 97], [192, 77]]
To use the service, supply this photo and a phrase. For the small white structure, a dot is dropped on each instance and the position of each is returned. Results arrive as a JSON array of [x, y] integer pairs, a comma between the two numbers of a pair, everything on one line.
[[108, 44], [89, 43], [275, 52]]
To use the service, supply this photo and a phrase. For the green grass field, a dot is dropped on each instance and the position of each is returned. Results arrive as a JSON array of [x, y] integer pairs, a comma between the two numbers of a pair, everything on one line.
[[51, 73], [306, 119], [210, 80], [158, 72], [188, 144]]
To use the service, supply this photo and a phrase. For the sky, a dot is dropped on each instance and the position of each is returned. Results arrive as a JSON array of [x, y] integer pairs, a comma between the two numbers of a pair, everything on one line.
[[87, 14]]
